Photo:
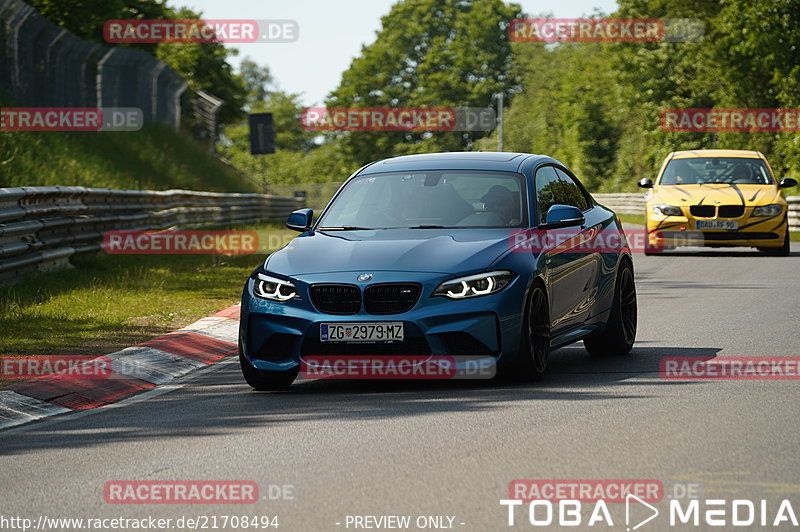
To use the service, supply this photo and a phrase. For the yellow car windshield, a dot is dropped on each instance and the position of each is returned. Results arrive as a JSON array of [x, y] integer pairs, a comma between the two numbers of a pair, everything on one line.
[[701, 170]]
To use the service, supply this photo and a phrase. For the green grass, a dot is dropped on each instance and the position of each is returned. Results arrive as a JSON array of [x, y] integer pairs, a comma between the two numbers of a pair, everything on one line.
[[631, 218], [156, 158], [109, 302]]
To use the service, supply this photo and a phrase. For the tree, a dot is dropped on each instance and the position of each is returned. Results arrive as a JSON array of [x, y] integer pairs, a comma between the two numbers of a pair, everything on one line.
[[429, 53], [85, 18], [257, 80], [289, 132], [205, 66]]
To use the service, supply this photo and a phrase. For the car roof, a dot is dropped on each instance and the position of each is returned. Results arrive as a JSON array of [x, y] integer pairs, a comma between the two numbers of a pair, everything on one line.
[[473, 160], [717, 153]]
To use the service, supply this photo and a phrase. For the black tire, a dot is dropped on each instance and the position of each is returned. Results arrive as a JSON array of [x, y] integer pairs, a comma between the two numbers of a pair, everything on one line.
[[534, 349], [782, 251], [265, 381], [620, 333]]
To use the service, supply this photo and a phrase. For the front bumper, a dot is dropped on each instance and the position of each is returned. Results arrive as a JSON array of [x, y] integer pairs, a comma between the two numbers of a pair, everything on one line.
[[276, 336], [678, 231]]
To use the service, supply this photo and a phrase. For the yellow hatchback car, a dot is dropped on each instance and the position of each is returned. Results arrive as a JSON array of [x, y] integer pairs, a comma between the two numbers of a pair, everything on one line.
[[717, 198]]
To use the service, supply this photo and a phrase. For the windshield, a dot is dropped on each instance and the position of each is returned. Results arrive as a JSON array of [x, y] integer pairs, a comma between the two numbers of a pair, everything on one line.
[[700, 170], [430, 199]]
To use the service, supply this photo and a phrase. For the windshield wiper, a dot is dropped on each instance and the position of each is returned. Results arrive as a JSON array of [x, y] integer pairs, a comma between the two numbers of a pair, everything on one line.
[[344, 228], [426, 227]]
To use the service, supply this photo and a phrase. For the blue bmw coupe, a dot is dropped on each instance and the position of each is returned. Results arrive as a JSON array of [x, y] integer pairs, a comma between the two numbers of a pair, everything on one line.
[[430, 255]]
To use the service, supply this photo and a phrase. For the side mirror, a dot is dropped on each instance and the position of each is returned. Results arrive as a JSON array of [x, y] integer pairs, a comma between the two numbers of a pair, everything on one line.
[[300, 220], [563, 216], [787, 182], [645, 182]]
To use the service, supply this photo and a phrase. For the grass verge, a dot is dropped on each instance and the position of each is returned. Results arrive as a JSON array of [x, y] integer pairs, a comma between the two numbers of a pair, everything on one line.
[[155, 158], [631, 218], [109, 302]]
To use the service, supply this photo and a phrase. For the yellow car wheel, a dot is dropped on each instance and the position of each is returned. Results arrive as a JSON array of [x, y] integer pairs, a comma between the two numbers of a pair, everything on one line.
[[782, 251]]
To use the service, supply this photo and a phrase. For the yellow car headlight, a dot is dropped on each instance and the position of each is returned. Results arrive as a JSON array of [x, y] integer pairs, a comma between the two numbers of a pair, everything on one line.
[[768, 210], [667, 210]]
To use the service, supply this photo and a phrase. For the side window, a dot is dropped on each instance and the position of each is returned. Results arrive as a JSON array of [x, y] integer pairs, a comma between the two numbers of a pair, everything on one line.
[[572, 192], [548, 191]]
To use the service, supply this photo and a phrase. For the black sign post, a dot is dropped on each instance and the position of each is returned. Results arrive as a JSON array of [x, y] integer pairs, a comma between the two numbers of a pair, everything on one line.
[[262, 135]]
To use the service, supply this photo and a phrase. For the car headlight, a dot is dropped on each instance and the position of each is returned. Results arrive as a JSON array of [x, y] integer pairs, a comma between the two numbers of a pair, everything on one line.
[[768, 210], [667, 210], [478, 285], [274, 289]]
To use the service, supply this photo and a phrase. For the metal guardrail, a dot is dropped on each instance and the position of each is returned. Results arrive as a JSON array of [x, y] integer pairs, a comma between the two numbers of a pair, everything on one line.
[[794, 212], [622, 203], [634, 204], [42, 227]]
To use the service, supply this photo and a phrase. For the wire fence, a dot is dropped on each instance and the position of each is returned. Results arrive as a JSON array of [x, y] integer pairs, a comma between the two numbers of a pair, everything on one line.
[[43, 65]]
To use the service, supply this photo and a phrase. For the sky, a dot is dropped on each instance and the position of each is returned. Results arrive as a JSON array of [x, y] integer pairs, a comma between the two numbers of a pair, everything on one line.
[[332, 33]]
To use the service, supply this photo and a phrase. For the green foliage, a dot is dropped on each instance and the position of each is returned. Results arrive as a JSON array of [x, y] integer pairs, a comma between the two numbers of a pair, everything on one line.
[[428, 53], [568, 109], [203, 66], [298, 158], [289, 132], [320, 165], [109, 302], [596, 106], [154, 158], [257, 80], [85, 18]]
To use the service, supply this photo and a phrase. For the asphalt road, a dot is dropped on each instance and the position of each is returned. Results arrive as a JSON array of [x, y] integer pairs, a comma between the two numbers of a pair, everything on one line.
[[451, 449]]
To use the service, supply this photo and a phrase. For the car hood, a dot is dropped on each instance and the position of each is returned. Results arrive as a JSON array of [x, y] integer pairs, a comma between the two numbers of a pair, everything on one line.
[[418, 250], [715, 194]]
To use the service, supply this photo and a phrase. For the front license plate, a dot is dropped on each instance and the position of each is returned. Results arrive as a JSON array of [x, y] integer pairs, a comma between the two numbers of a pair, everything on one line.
[[730, 225], [379, 331]]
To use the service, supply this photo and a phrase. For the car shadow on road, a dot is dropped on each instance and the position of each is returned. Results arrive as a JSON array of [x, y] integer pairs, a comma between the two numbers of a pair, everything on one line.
[[219, 402]]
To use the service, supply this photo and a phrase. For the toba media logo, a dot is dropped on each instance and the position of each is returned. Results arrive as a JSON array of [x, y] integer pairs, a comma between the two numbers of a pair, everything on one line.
[[564, 502], [573, 503]]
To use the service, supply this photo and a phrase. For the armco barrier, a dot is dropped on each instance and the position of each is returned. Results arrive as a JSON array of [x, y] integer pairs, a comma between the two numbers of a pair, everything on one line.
[[634, 204], [622, 203], [42, 227]]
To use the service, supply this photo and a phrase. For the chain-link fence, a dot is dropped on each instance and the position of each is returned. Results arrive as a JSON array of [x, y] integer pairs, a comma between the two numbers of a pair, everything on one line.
[[43, 65]]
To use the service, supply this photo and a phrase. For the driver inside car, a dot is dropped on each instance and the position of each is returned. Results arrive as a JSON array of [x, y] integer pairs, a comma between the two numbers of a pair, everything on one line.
[[500, 201]]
